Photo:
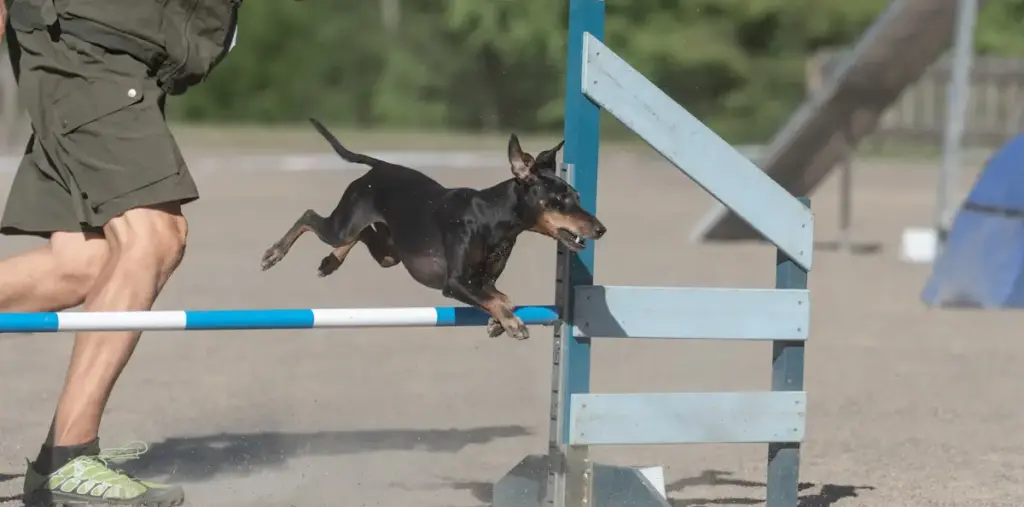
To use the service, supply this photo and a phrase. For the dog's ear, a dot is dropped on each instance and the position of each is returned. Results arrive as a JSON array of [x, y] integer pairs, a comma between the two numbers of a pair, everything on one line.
[[546, 159], [522, 162]]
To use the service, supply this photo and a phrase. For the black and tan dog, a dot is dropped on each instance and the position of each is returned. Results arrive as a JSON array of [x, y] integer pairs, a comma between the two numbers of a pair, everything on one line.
[[456, 240]]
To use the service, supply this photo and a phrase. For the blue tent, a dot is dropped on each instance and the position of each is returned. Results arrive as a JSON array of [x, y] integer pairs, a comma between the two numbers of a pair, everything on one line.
[[982, 263]]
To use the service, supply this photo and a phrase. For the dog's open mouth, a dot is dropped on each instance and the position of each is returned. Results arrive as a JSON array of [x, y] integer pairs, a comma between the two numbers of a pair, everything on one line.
[[571, 240]]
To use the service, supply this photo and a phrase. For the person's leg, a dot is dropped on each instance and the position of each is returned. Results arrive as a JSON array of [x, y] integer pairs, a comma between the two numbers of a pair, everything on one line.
[[53, 277], [146, 245], [109, 147]]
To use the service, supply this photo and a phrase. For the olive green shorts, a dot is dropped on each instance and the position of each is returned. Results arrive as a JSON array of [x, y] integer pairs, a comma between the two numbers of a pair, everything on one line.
[[100, 144]]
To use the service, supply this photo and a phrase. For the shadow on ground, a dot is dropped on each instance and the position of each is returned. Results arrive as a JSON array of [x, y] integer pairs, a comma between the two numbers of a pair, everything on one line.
[[828, 494], [482, 491], [195, 459], [9, 477]]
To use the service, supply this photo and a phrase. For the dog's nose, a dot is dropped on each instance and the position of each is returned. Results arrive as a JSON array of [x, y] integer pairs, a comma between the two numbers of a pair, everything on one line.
[[600, 230]]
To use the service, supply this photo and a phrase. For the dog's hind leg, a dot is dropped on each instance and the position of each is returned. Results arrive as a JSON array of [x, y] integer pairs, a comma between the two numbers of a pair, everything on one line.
[[309, 221], [349, 220], [377, 239]]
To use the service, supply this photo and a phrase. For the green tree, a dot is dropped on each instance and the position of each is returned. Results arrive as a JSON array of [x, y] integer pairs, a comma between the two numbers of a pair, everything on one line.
[[499, 65]]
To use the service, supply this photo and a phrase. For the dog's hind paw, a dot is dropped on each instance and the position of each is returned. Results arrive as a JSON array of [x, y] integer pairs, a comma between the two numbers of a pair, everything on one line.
[[271, 257], [328, 265], [494, 328]]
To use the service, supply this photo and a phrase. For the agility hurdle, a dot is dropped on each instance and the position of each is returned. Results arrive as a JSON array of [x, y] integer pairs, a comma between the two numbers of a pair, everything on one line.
[[596, 78], [565, 476]]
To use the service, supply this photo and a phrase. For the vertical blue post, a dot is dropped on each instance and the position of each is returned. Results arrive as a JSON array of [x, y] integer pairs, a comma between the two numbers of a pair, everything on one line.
[[567, 486], [581, 148], [787, 375]]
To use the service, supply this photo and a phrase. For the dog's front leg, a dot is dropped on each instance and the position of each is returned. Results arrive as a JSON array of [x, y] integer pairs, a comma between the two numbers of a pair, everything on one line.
[[496, 327], [496, 261], [490, 300], [468, 282]]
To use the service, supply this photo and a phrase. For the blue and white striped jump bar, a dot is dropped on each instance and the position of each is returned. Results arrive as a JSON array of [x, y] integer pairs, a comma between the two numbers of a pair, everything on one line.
[[199, 320]]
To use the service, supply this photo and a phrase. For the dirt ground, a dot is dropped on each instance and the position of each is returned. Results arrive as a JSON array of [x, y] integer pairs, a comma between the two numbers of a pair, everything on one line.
[[907, 406]]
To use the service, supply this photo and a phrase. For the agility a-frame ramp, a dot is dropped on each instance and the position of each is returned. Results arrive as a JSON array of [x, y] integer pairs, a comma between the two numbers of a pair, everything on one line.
[[565, 476], [819, 135], [598, 78]]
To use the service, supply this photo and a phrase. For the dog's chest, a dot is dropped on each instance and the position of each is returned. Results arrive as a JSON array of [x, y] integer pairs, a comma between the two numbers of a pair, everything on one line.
[[496, 257], [499, 250]]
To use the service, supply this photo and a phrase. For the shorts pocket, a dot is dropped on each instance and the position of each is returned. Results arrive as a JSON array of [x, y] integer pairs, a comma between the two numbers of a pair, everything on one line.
[[113, 138]]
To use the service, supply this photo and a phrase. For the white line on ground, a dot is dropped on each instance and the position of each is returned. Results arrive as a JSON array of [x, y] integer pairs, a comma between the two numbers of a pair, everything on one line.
[[325, 161], [321, 161]]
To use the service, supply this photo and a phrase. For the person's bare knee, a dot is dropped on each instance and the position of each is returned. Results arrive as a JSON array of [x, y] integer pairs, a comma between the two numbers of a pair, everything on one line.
[[152, 236], [78, 260]]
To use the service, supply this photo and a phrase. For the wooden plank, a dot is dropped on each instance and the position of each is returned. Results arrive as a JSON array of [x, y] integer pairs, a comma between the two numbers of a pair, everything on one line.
[[697, 151], [687, 418], [691, 313]]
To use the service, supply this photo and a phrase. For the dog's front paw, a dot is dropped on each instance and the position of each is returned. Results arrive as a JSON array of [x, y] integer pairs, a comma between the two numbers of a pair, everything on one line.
[[329, 265], [516, 329], [272, 256], [494, 328]]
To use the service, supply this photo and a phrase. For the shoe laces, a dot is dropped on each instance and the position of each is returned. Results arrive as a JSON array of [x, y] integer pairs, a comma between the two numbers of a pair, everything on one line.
[[133, 450], [109, 456]]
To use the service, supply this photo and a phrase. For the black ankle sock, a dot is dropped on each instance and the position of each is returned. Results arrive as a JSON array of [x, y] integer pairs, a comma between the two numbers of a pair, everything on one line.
[[50, 459]]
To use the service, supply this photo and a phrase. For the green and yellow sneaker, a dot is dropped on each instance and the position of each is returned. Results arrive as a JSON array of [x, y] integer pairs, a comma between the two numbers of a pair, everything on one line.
[[91, 481]]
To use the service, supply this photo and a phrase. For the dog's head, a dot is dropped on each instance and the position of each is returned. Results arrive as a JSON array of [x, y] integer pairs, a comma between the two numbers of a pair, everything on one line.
[[550, 205]]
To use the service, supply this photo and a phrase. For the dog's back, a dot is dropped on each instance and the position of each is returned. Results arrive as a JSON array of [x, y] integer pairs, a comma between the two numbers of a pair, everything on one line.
[[404, 199]]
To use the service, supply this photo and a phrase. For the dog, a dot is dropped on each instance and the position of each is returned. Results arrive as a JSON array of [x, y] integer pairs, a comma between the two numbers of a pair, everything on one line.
[[456, 240]]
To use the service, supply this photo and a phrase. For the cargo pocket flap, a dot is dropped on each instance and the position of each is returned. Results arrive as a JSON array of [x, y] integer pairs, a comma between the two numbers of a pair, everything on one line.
[[95, 101], [110, 139]]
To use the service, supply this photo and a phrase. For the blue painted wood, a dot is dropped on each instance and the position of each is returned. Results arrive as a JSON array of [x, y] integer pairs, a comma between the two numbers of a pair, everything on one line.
[[697, 151], [691, 313], [787, 375], [581, 149], [687, 418]]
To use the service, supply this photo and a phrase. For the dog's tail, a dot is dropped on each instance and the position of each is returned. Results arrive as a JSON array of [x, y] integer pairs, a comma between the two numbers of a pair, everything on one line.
[[349, 156]]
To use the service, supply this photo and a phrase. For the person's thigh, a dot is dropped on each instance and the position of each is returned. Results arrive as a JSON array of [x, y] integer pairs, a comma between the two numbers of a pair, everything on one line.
[[80, 252], [100, 122]]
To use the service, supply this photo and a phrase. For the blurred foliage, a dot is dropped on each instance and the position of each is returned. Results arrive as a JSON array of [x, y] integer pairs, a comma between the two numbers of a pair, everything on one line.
[[482, 65]]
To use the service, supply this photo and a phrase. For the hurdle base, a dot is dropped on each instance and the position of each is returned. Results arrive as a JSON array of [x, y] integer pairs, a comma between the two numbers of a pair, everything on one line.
[[612, 486]]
